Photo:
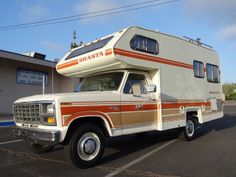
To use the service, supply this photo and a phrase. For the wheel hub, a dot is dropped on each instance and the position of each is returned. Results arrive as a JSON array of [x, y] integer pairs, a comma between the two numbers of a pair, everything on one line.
[[190, 128], [89, 146]]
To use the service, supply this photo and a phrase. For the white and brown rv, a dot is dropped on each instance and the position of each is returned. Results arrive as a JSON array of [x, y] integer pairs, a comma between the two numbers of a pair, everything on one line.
[[135, 80]]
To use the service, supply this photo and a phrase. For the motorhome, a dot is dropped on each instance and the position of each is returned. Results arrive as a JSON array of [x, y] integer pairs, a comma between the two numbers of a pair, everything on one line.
[[134, 80]]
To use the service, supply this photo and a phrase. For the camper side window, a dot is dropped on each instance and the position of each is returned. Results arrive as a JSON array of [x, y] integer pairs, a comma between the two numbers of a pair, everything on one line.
[[212, 73], [135, 81], [144, 44], [198, 69]]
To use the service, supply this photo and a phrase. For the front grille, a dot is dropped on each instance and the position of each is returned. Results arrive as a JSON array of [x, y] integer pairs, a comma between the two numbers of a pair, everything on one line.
[[27, 112]]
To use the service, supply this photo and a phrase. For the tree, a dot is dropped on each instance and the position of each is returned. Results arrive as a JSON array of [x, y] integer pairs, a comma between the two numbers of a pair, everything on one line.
[[229, 90]]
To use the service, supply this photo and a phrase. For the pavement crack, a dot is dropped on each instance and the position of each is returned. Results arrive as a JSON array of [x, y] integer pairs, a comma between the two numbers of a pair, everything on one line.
[[15, 163], [29, 172], [30, 156], [20, 154], [137, 173]]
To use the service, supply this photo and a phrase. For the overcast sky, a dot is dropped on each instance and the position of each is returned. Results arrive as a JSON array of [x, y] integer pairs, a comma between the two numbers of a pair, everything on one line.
[[214, 21]]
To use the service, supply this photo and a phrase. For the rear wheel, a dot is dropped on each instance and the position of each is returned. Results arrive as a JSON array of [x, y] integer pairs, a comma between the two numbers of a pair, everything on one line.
[[188, 133], [85, 147]]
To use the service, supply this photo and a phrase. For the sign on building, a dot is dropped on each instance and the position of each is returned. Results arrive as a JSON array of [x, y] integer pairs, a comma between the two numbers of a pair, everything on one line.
[[29, 77]]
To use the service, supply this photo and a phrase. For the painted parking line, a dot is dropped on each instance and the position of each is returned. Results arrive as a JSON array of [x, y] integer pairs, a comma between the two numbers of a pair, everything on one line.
[[124, 167], [10, 142]]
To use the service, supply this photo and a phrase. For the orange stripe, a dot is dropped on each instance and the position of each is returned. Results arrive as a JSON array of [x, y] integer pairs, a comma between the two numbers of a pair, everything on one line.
[[91, 113], [152, 58], [114, 108], [108, 52], [177, 105], [74, 109], [133, 55], [100, 102], [145, 107], [123, 108], [68, 64]]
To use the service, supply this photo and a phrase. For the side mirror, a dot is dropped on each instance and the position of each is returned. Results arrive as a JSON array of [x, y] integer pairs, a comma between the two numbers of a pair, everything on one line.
[[150, 88]]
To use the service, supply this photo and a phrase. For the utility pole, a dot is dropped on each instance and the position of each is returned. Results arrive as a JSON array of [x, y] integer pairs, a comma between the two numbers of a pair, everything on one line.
[[74, 44], [44, 84]]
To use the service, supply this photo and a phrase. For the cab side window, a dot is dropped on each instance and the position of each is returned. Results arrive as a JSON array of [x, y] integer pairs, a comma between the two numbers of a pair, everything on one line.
[[135, 84]]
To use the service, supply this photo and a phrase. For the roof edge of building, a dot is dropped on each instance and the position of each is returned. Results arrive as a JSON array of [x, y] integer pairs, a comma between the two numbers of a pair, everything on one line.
[[24, 58]]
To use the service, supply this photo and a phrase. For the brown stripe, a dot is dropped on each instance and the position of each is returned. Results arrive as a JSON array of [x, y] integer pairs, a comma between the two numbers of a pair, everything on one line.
[[140, 117], [174, 118], [172, 111]]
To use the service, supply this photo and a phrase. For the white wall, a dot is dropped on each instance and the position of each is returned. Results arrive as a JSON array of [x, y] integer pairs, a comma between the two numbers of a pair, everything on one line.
[[10, 90]]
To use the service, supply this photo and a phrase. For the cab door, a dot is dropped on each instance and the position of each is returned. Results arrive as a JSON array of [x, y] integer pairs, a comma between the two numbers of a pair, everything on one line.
[[138, 109]]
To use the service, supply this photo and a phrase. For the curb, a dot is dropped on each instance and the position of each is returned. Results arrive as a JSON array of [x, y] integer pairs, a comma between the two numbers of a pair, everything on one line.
[[7, 124]]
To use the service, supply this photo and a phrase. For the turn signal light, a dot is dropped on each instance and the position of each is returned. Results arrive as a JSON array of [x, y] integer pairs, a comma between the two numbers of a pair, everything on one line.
[[51, 120]]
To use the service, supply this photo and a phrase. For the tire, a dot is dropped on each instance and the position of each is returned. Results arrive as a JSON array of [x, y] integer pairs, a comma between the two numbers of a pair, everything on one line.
[[40, 148], [141, 135], [85, 147], [188, 132]]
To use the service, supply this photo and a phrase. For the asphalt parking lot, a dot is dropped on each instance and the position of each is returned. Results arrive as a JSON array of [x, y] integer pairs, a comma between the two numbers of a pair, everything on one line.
[[157, 154]]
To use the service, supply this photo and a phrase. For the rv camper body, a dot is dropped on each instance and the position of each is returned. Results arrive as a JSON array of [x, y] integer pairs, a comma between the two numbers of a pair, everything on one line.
[[135, 80]]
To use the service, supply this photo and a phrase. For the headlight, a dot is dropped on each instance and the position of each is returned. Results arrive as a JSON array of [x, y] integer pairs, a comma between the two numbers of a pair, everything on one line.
[[50, 109], [48, 114]]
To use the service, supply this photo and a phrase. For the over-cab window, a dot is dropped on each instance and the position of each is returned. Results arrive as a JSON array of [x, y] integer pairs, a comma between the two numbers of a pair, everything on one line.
[[198, 69], [213, 73], [137, 82], [144, 44], [88, 48]]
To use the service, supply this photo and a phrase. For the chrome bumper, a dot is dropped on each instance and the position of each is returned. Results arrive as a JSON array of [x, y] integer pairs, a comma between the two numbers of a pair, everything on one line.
[[51, 137]]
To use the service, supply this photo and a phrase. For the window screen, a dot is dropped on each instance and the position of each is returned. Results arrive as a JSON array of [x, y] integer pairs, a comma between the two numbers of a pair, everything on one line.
[[198, 68], [144, 44], [213, 73]]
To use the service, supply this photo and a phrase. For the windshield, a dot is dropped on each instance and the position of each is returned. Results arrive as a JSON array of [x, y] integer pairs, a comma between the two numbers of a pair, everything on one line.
[[101, 82]]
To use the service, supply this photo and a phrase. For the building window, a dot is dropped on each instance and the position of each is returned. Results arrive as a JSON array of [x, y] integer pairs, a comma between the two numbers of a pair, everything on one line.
[[144, 44], [213, 73], [30, 77], [137, 82], [198, 69]]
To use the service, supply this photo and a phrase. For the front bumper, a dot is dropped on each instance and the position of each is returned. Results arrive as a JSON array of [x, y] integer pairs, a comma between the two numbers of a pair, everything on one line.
[[40, 136]]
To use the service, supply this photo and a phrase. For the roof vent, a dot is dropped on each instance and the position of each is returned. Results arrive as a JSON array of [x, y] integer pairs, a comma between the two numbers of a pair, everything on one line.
[[36, 55]]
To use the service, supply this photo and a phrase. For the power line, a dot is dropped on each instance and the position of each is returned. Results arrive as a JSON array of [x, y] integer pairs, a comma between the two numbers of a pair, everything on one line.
[[79, 15], [95, 14]]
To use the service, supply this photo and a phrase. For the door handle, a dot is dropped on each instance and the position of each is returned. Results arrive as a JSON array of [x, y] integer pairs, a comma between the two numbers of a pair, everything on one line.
[[139, 106]]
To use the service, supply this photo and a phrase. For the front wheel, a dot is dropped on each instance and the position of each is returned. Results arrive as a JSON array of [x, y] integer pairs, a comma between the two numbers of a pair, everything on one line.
[[188, 133], [85, 147]]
